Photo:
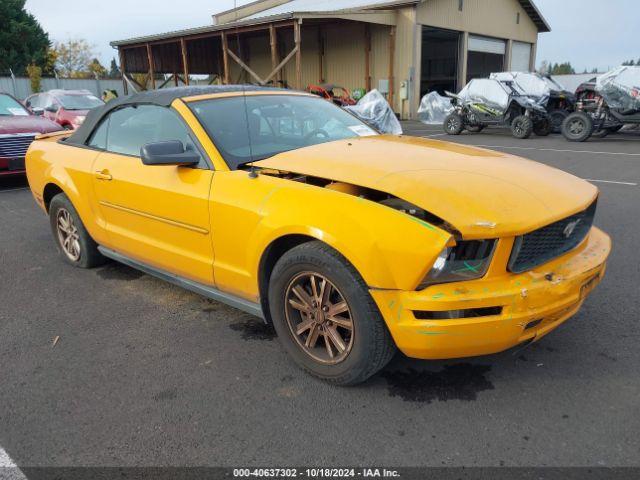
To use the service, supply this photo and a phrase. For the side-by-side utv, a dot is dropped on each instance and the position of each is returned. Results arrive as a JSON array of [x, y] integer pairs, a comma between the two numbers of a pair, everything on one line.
[[544, 90], [488, 102], [612, 102]]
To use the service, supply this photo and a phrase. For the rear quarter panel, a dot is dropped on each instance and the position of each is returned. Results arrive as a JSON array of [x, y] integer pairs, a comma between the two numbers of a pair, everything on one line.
[[51, 161]]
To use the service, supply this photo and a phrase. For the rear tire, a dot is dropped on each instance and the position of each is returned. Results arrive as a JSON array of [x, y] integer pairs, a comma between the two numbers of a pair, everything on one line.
[[557, 117], [304, 324], [522, 127], [577, 127], [74, 244], [453, 124], [542, 128]]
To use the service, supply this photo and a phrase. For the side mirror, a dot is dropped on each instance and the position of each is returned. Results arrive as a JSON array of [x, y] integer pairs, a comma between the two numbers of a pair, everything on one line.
[[168, 153], [38, 111], [51, 109]]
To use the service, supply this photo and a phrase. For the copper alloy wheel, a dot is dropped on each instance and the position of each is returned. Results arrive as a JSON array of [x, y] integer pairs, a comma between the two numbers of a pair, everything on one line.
[[319, 318], [68, 235]]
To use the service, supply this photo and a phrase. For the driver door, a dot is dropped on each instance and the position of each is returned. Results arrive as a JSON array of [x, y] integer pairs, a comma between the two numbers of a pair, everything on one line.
[[158, 215]]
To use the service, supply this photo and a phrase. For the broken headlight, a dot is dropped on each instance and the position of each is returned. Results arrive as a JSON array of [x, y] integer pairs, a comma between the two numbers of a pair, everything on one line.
[[468, 260]]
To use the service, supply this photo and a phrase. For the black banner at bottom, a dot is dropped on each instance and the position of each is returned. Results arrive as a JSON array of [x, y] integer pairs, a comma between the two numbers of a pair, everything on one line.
[[285, 473]]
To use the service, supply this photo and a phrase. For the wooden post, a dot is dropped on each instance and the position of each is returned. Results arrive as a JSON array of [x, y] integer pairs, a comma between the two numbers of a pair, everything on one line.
[[320, 55], [123, 71], [273, 40], [225, 58], [185, 60], [298, 40], [367, 57], [151, 72], [392, 50]]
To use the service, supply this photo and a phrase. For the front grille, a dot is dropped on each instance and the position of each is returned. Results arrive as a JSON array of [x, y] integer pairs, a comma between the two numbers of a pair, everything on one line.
[[15, 146], [549, 242]]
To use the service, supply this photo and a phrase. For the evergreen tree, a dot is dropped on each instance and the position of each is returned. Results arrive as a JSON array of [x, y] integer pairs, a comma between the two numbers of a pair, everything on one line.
[[22, 40], [114, 71]]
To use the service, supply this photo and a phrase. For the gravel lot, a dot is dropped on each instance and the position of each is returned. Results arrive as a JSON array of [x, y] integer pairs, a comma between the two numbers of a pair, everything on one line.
[[145, 373]]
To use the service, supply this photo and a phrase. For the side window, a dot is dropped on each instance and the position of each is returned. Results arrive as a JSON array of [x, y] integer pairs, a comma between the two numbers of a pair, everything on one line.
[[99, 137], [35, 102], [49, 103], [132, 127]]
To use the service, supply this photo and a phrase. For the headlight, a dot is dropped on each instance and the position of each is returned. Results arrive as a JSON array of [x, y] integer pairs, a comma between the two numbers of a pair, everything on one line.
[[78, 121], [468, 260]]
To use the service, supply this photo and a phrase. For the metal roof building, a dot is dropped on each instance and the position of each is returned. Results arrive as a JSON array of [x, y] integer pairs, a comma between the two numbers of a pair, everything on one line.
[[404, 48]]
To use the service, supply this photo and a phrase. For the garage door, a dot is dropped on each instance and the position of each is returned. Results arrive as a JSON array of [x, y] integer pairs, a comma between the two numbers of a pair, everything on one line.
[[487, 45], [520, 57], [485, 55]]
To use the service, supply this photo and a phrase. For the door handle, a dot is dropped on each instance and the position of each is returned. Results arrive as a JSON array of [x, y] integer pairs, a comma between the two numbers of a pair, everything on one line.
[[103, 175]]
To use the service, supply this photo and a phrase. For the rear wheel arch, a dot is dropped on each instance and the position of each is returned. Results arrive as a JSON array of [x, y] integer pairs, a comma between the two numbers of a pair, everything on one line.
[[50, 190]]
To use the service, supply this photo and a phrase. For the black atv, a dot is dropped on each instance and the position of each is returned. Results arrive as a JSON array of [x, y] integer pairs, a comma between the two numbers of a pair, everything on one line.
[[487, 102], [560, 105], [605, 106]]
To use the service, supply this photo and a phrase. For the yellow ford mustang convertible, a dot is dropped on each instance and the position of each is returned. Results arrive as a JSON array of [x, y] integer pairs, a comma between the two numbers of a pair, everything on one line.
[[349, 242]]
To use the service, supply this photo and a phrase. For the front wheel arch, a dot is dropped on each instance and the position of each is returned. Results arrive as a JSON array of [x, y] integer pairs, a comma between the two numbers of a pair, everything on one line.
[[274, 251]]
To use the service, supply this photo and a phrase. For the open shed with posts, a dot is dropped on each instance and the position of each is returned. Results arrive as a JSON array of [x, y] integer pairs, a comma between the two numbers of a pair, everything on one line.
[[404, 48]]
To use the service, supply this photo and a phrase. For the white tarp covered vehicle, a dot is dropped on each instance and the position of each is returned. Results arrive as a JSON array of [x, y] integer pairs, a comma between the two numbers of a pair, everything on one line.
[[483, 102], [620, 88], [434, 108], [374, 110], [616, 104], [530, 84]]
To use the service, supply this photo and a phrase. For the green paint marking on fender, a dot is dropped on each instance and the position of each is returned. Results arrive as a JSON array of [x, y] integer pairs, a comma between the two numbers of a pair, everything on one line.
[[437, 296], [422, 332], [422, 222]]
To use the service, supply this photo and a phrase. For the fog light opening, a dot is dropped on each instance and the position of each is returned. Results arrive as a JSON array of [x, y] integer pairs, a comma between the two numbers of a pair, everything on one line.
[[533, 323], [454, 314]]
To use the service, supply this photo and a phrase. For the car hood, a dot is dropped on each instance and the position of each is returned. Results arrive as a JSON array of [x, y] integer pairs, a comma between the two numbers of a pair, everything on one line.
[[26, 124], [481, 193]]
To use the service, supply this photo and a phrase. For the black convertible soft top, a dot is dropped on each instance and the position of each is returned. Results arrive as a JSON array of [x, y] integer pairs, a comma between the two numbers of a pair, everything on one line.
[[163, 98]]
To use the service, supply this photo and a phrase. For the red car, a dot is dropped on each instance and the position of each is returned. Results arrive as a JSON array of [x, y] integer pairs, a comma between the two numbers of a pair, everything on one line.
[[18, 128], [68, 108]]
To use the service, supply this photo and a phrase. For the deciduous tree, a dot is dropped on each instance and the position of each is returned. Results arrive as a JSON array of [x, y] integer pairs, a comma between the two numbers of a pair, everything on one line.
[[74, 58]]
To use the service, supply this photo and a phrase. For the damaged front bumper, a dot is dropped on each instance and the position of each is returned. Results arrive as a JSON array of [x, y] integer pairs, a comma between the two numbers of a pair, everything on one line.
[[498, 311]]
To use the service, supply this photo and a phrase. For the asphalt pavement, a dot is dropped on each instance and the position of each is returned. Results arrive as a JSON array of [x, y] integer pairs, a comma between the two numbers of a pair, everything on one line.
[[144, 373]]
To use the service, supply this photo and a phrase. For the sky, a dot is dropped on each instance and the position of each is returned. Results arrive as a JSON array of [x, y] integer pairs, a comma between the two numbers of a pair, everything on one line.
[[588, 33]]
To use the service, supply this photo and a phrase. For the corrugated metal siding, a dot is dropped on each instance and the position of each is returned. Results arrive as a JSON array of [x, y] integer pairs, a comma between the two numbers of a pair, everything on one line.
[[379, 53], [345, 55], [494, 18], [405, 52], [23, 86]]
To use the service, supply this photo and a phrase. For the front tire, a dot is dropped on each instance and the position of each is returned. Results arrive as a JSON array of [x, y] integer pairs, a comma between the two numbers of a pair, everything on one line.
[[522, 127], [577, 127], [453, 124], [75, 245], [325, 317]]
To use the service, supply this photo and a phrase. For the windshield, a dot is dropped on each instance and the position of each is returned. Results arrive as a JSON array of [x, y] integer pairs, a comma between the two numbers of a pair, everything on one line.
[[79, 102], [10, 106], [256, 127]]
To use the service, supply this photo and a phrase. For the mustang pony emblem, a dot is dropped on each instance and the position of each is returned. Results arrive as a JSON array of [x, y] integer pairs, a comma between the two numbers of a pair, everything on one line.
[[570, 228]]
